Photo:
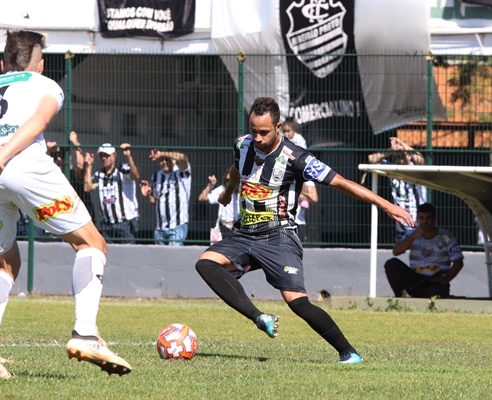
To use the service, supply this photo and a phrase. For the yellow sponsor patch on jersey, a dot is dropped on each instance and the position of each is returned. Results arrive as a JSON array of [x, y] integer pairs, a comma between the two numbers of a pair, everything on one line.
[[250, 218], [255, 191]]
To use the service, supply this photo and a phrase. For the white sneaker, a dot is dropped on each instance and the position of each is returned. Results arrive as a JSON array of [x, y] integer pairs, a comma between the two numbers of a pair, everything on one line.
[[93, 349], [4, 374]]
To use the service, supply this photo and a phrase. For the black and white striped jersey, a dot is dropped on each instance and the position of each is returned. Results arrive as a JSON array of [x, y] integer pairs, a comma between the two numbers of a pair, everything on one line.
[[172, 196], [117, 194], [270, 183]]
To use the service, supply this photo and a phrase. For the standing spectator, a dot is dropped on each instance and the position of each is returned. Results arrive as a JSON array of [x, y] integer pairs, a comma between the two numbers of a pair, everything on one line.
[[117, 192], [435, 259], [77, 171], [405, 194], [30, 181], [227, 214], [309, 194], [169, 191]]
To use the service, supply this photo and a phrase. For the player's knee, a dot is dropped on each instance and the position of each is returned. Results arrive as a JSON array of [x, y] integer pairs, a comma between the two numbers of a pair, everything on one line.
[[299, 305], [206, 267]]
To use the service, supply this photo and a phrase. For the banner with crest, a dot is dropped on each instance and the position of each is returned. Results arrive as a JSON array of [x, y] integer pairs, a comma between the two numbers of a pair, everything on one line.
[[328, 78]]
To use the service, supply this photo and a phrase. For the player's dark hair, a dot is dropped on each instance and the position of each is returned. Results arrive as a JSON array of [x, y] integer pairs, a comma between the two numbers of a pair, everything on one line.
[[426, 208], [18, 49], [290, 121], [265, 105]]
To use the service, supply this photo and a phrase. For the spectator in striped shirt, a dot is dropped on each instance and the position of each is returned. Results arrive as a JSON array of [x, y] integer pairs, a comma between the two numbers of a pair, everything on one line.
[[405, 194], [117, 193], [169, 191]]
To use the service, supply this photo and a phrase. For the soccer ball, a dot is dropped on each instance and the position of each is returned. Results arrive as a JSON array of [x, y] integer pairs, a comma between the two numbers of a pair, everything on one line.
[[177, 341]]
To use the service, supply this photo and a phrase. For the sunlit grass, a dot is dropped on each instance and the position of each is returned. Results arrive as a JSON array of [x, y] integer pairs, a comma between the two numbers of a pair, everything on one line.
[[407, 355]]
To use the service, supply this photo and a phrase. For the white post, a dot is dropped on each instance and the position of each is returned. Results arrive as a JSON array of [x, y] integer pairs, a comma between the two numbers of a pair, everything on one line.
[[374, 240]]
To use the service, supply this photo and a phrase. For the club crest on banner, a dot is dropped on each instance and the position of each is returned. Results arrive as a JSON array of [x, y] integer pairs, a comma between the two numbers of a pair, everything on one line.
[[316, 31]]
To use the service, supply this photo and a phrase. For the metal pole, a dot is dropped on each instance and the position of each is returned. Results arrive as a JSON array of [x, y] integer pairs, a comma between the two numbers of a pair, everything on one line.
[[30, 256], [240, 92], [430, 102], [374, 241], [68, 110]]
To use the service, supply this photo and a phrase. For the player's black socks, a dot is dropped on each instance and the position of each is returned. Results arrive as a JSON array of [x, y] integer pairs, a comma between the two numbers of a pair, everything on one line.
[[322, 323], [227, 288]]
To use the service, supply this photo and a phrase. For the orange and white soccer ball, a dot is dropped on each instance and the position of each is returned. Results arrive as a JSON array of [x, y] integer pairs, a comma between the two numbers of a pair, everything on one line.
[[177, 341]]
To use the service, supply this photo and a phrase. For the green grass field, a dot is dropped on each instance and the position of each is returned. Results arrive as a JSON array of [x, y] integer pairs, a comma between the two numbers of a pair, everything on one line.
[[407, 355]]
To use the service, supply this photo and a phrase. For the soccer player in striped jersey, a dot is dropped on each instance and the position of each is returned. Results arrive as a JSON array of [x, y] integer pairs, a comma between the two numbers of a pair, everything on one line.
[[270, 171]]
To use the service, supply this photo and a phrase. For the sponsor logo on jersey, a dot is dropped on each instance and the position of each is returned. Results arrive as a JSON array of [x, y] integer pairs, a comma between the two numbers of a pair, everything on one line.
[[288, 153], [427, 252], [250, 218], [6, 130], [58, 206], [109, 200], [455, 249], [255, 191], [315, 169], [427, 269], [291, 270]]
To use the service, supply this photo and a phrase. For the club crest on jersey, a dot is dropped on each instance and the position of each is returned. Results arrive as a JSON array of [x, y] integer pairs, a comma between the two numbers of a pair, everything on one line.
[[278, 174], [315, 169], [255, 191], [58, 206], [316, 30]]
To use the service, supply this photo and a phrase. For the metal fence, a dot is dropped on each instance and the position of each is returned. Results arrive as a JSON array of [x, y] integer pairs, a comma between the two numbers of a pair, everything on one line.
[[191, 103]]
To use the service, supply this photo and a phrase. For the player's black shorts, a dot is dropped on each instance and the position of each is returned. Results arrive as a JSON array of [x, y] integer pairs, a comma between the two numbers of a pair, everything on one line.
[[272, 246]]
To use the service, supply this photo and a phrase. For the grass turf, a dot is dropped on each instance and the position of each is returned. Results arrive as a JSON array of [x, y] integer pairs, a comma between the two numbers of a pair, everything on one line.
[[407, 355]]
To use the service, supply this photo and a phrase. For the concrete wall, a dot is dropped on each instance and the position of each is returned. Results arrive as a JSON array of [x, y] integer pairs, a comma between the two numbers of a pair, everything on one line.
[[160, 271]]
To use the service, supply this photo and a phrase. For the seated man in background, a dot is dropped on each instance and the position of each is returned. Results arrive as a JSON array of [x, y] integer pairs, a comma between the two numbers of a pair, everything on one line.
[[435, 259]]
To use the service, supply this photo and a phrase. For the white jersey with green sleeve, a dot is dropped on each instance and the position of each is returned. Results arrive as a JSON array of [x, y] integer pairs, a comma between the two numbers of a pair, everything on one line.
[[20, 95]]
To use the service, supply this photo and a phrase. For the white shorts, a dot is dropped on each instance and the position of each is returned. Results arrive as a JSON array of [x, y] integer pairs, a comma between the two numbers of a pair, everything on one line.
[[41, 190]]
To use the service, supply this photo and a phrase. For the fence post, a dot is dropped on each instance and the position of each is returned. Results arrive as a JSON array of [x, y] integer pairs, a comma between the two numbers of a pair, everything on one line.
[[430, 111], [240, 92], [68, 111]]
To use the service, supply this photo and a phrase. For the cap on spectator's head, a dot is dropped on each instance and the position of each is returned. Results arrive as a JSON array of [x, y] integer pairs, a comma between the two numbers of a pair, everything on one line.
[[106, 148]]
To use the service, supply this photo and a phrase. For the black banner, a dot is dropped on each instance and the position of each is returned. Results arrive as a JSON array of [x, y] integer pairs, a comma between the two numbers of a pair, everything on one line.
[[326, 97], [164, 19]]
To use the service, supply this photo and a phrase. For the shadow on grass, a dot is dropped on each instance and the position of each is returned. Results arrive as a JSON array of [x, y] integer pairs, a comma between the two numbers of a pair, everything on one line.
[[215, 355], [30, 374]]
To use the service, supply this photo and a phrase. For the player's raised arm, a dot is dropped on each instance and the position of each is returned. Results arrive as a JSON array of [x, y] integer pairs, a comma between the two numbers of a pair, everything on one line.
[[360, 192]]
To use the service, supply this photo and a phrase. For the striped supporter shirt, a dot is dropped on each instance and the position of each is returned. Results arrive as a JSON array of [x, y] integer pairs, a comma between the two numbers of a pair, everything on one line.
[[172, 195], [117, 194]]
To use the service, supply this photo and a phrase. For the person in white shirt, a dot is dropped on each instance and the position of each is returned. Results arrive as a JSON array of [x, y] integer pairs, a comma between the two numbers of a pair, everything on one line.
[[227, 214], [309, 194]]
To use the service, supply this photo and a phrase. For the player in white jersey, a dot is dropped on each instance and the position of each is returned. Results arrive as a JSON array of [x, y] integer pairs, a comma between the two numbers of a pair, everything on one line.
[[32, 182], [435, 259]]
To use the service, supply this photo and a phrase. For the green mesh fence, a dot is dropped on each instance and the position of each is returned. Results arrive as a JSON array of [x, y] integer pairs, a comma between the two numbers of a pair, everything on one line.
[[191, 103]]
